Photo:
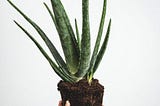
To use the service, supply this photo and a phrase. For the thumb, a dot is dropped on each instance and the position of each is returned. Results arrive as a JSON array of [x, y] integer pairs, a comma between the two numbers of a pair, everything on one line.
[[67, 103], [60, 103]]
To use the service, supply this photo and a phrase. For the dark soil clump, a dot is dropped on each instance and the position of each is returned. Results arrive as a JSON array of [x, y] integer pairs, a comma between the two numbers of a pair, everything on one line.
[[81, 93]]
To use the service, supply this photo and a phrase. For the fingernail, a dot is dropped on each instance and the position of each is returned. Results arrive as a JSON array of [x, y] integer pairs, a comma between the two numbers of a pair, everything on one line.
[[67, 103]]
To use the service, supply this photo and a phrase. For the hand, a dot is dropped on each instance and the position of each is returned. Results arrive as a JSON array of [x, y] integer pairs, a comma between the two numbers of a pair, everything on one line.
[[67, 103]]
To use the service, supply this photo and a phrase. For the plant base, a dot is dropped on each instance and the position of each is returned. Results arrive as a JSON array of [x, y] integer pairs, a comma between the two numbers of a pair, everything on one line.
[[81, 93]]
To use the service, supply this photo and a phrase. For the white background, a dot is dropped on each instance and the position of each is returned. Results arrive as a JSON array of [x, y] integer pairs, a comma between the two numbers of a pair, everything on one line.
[[130, 70]]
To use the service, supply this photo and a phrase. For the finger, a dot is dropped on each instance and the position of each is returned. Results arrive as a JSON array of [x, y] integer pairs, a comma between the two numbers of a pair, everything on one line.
[[60, 103], [67, 103]]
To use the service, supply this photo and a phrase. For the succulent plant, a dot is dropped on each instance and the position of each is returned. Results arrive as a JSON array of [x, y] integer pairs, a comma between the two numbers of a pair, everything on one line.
[[78, 63]]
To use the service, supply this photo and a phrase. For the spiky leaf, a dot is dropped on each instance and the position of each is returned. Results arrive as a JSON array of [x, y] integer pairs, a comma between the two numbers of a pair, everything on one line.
[[78, 36], [85, 43], [66, 36], [98, 40], [51, 47], [52, 16], [103, 48], [64, 76]]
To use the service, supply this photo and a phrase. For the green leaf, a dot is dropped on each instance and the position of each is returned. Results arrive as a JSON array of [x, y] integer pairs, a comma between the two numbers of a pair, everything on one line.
[[85, 43], [98, 40], [78, 36], [51, 47], [70, 29], [103, 48], [54, 21], [61, 74], [52, 16], [66, 36]]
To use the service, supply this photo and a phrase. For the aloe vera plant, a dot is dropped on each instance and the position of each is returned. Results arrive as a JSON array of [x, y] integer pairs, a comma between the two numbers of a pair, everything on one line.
[[79, 63]]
